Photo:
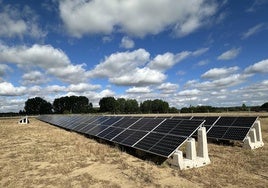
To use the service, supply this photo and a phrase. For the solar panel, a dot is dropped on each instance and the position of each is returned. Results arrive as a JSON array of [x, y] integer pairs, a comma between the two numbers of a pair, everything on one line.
[[146, 124], [126, 122], [156, 135], [129, 137], [231, 128]]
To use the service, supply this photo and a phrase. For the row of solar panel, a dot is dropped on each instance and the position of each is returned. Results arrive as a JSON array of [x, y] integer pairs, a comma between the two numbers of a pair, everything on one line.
[[226, 128], [159, 136]]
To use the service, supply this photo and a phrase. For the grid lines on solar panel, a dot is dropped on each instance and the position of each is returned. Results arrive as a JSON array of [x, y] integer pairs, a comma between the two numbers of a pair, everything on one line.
[[225, 121], [146, 124], [129, 137], [167, 145], [244, 121], [217, 132], [167, 125], [149, 141], [89, 125], [186, 127], [96, 130], [126, 122], [235, 133]]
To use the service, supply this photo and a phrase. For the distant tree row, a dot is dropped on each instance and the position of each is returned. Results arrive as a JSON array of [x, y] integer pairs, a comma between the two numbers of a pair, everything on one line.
[[81, 104], [127, 106], [62, 105]]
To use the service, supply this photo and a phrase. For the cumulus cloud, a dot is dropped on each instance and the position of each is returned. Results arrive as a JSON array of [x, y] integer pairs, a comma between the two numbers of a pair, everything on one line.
[[128, 68], [8, 89], [167, 60], [139, 77], [139, 90], [82, 87], [4, 69], [253, 30], [168, 87], [230, 54], [259, 67], [137, 18], [120, 63], [53, 61], [34, 77], [127, 43], [219, 72], [19, 22]]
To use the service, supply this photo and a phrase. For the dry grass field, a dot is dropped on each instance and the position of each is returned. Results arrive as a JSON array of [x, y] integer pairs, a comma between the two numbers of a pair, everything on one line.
[[41, 155]]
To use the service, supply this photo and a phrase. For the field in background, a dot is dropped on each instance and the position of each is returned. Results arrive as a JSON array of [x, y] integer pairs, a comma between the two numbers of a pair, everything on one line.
[[41, 155]]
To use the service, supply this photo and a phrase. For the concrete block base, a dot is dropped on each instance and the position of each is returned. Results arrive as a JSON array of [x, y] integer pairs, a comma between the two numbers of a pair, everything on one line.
[[23, 120], [254, 137], [193, 159]]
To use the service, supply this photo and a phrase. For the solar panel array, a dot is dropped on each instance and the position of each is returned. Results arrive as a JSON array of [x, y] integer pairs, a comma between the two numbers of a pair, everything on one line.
[[226, 128], [156, 135]]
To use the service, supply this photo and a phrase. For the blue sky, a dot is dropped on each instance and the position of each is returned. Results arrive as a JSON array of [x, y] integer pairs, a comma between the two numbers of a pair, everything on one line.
[[195, 52]]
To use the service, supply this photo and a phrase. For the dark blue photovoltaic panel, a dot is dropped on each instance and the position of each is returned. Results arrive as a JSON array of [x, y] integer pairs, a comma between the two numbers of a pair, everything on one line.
[[225, 121], [217, 132], [149, 141], [186, 127], [167, 145], [146, 124], [156, 135], [96, 130], [244, 121], [126, 122], [111, 120], [231, 128], [167, 125], [129, 137], [235, 133]]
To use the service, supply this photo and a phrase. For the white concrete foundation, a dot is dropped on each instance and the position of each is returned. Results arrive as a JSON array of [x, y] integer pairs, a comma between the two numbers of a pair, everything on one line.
[[24, 120], [254, 137], [193, 159]]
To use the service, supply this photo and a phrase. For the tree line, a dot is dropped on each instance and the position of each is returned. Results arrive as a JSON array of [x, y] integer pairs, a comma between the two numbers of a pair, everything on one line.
[[81, 104]]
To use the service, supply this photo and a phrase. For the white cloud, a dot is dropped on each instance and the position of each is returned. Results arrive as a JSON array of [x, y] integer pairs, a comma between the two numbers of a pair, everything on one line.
[[127, 43], [137, 18], [168, 87], [82, 87], [167, 60], [139, 90], [260, 67], [189, 92], [4, 69], [120, 63], [19, 22], [139, 77], [33, 77], [219, 72], [203, 62], [253, 30], [128, 68], [53, 61], [55, 89], [200, 51], [8, 89], [230, 54]]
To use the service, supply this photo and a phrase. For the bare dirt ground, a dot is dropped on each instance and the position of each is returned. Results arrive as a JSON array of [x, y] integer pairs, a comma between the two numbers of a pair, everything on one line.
[[41, 155]]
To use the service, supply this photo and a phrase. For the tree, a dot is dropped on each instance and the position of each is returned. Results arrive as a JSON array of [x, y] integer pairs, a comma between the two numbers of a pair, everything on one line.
[[155, 106], [107, 104], [146, 106], [120, 105], [132, 106], [264, 106], [72, 104], [37, 105]]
